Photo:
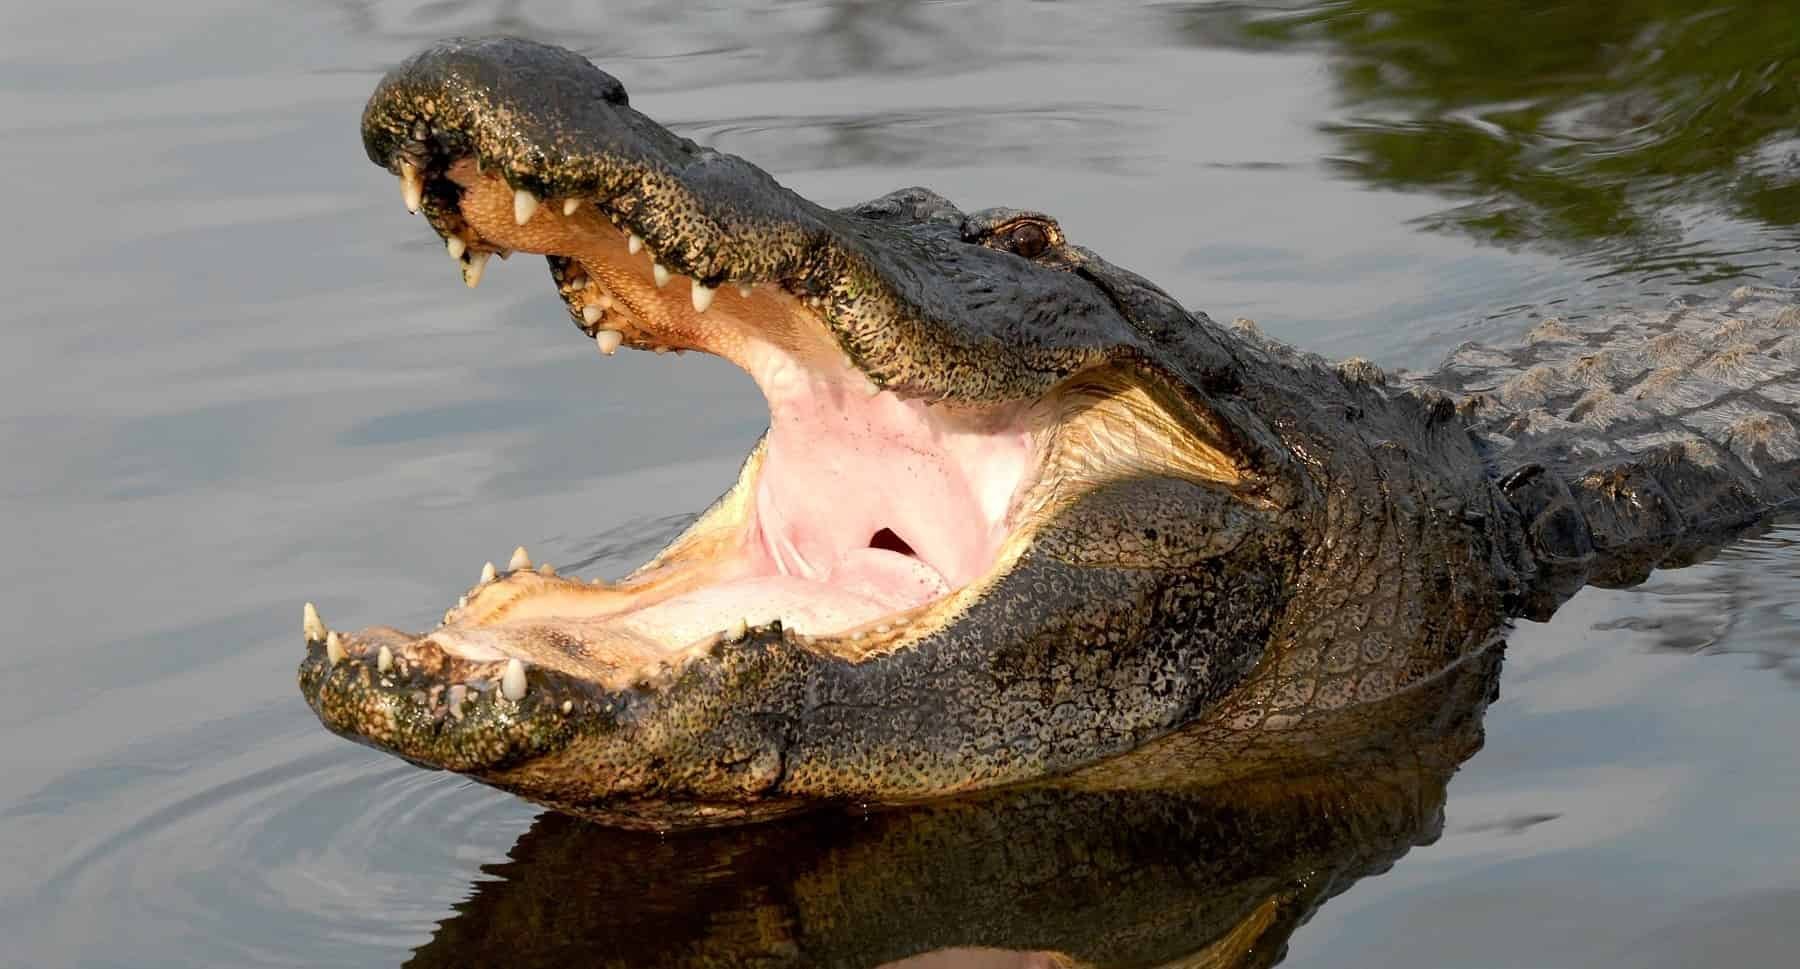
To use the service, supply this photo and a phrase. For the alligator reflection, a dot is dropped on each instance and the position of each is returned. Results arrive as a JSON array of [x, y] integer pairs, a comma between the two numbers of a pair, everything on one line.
[[1592, 127], [1119, 866]]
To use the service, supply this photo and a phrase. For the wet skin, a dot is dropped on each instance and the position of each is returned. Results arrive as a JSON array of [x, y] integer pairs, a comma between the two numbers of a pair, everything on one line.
[[1069, 516]]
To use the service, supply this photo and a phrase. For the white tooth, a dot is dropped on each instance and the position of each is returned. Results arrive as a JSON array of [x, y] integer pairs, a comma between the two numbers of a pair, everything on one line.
[[703, 296], [609, 341], [334, 648], [568, 705], [489, 573], [579, 283], [473, 269], [871, 388], [412, 187], [384, 660], [512, 685], [744, 289], [456, 247], [570, 205], [462, 602], [592, 313], [660, 274], [311, 624], [740, 630], [633, 244], [524, 203], [521, 559], [605, 301], [454, 698]]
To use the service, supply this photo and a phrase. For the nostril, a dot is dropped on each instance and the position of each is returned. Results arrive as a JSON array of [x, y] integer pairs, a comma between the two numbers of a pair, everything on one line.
[[888, 541]]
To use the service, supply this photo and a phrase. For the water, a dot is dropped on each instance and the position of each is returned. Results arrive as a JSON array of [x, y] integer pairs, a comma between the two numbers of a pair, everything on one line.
[[237, 375]]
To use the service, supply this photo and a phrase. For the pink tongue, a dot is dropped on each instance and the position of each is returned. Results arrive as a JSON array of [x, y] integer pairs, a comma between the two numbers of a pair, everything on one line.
[[897, 581], [865, 585]]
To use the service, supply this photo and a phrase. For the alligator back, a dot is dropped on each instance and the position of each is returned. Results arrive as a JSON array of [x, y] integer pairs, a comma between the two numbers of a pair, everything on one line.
[[1633, 441]]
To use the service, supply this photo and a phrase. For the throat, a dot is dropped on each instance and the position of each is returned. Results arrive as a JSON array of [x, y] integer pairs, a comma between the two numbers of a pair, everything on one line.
[[861, 488], [864, 506]]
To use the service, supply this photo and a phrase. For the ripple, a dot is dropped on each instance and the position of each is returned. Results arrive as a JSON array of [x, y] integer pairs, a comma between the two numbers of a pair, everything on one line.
[[308, 851], [1076, 134], [1740, 603]]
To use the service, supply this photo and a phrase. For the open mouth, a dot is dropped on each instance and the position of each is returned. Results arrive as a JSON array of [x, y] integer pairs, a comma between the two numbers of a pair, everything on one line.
[[859, 512], [859, 509]]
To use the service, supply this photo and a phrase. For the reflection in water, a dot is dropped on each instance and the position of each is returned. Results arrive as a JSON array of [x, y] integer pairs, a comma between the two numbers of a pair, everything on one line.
[[1600, 128], [790, 40], [1742, 608], [653, 42], [1119, 868]]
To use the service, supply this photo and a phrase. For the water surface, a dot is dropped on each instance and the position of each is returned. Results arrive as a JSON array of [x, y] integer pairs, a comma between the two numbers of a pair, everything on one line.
[[237, 375]]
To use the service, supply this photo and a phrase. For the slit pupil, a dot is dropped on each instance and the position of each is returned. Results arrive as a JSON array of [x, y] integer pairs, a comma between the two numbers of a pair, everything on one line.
[[888, 541]]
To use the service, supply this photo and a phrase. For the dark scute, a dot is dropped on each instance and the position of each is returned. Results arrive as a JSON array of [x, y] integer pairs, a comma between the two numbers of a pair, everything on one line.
[[1559, 532]]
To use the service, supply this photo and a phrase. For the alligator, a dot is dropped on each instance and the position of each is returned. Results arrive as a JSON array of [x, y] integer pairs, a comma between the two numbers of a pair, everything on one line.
[[1017, 512]]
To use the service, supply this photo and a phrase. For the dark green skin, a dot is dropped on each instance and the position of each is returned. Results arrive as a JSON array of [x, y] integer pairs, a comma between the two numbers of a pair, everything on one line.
[[1382, 533]]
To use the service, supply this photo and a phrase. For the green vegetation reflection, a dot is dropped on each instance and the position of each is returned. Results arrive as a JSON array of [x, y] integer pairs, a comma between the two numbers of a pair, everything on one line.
[[1600, 127]]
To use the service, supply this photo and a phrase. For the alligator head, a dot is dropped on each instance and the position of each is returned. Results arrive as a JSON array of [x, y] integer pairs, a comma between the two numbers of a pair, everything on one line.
[[1017, 511]]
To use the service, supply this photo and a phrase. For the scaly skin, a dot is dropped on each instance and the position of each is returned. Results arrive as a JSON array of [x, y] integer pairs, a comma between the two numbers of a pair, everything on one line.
[[1271, 544]]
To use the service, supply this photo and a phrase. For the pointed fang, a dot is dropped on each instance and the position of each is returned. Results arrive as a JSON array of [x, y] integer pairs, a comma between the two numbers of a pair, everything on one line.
[[570, 205], [703, 296], [455, 247], [512, 685], [524, 203], [609, 341], [633, 244], [384, 660], [591, 313], [660, 273], [412, 187], [334, 648], [521, 560], [473, 269], [311, 624], [489, 573]]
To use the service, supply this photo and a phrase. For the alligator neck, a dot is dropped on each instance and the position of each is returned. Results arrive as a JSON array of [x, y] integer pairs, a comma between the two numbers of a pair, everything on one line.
[[1637, 441]]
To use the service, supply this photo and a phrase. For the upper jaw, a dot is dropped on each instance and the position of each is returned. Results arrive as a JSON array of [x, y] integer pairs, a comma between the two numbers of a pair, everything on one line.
[[904, 287], [508, 145]]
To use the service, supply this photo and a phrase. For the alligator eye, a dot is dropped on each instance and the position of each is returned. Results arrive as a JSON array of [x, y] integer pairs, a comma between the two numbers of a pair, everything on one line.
[[1028, 239]]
